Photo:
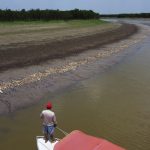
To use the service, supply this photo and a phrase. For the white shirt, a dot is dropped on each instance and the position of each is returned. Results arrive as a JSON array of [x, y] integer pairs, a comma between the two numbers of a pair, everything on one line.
[[48, 117]]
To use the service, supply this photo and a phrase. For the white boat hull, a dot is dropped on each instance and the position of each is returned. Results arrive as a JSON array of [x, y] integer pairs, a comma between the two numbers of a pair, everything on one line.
[[41, 145]]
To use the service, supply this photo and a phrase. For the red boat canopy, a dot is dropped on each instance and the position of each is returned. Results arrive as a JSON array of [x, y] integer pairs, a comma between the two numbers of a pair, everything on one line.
[[78, 140]]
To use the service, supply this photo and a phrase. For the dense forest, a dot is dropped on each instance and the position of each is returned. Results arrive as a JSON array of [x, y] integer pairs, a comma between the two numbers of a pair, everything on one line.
[[141, 15], [37, 14]]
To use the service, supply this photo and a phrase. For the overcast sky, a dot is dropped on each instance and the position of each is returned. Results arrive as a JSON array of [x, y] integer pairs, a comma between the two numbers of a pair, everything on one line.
[[101, 6]]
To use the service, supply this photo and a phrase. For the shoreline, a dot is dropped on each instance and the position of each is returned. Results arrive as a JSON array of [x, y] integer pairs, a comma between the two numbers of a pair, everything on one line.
[[30, 84]]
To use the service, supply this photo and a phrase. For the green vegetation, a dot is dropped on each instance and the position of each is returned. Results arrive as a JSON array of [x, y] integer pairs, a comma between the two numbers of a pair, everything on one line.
[[71, 23], [92, 22], [140, 15], [46, 15]]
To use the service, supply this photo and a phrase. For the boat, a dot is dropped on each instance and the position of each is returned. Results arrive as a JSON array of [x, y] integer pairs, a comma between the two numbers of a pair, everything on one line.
[[77, 140]]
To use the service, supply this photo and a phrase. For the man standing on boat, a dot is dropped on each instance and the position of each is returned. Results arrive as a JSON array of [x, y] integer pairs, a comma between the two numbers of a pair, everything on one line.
[[49, 122]]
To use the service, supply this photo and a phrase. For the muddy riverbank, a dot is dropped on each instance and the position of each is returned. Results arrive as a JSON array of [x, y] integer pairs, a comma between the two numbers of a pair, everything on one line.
[[16, 56], [23, 86]]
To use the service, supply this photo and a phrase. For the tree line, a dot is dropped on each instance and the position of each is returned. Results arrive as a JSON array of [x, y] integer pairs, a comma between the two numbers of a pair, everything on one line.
[[37, 14], [135, 15]]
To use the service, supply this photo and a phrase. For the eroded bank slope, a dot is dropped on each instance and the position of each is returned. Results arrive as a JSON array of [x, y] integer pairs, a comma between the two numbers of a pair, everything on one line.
[[19, 49]]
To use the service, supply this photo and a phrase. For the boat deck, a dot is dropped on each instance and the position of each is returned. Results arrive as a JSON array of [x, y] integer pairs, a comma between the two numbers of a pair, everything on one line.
[[41, 145]]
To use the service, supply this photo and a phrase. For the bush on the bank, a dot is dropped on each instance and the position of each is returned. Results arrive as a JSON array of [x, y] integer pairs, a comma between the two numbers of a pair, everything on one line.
[[141, 15]]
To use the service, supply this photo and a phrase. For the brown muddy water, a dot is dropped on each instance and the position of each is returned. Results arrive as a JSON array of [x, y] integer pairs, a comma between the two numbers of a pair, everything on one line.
[[114, 105]]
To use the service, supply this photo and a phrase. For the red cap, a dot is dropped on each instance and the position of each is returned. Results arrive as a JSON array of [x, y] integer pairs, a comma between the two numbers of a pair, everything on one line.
[[49, 105]]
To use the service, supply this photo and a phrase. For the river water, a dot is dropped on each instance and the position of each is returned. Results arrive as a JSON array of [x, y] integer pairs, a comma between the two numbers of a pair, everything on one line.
[[114, 105]]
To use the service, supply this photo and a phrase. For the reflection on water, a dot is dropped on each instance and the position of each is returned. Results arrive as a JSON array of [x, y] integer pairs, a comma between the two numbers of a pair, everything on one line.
[[114, 105]]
